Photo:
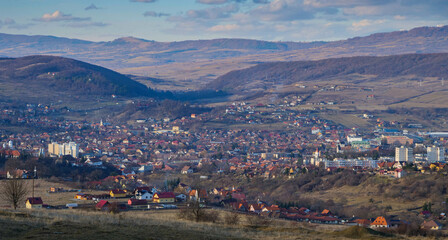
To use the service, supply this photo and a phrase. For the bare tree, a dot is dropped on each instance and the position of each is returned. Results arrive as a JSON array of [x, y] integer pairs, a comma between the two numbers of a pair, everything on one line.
[[14, 191], [193, 211], [196, 212]]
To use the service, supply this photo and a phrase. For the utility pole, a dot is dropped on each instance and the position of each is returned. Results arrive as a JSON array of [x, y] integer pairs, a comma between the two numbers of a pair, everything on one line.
[[34, 176]]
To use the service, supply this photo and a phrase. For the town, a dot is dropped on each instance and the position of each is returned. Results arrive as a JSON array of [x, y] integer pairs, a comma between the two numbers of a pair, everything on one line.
[[138, 164]]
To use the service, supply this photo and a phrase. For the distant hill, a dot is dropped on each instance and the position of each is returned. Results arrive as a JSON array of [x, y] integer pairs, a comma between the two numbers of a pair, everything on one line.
[[49, 75], [271, 75], [192, 64]]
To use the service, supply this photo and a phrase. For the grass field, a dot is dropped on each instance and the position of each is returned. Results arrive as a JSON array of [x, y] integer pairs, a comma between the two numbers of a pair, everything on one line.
[[164, 224], [43, 186], [65, 224], [348, 120]]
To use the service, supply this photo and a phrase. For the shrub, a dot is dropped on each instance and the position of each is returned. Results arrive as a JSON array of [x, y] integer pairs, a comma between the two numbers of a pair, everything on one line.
[[258, 221], [232, 218]]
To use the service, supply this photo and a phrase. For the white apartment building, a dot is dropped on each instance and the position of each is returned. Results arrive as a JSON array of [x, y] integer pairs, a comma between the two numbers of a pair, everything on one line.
[[71, 148], [435, 154], [404, 154], [344, 163]]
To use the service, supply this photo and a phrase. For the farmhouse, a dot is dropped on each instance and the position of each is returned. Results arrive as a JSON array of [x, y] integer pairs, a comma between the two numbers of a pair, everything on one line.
[[32, 203]]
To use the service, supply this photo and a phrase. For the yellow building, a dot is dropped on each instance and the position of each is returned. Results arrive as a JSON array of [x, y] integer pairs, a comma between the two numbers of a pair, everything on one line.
[[117, 193], [33, 203], [165, 197]]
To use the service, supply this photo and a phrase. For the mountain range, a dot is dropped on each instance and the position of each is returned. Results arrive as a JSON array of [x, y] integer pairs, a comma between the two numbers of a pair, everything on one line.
[[193, 64]]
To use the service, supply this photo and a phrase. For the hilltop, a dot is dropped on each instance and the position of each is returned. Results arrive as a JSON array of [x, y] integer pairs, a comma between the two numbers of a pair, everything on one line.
[[192, 64], [48, 76]]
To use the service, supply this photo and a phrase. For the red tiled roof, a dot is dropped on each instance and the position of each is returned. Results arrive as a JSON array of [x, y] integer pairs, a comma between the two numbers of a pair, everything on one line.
[[164, 195], [102, 204]]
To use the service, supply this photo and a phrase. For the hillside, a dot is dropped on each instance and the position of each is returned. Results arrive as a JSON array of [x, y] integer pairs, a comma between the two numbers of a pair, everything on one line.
[[46, 76], [192, 64], [363, 83], [269, 75]]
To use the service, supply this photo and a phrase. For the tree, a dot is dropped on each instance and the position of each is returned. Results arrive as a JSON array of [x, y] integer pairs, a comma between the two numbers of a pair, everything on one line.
[[14, 191], [196, 212], [232, 218]]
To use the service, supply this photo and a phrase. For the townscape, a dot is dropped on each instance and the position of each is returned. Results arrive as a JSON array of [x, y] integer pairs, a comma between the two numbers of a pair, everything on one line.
[[137, 164], [223, 119]]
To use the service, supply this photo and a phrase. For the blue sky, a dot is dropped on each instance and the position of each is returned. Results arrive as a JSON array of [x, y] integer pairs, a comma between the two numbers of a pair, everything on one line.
[[176, 20]]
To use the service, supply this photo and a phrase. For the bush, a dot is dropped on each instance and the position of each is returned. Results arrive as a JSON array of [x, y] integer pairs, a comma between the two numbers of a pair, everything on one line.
[[232, 218], [258, 221], [194, 212]]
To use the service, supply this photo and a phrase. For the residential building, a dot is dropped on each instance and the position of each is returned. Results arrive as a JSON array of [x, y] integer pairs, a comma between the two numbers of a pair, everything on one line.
[[435, 154], [34, 202], [381, 222], [71, 148], [164, 197], [431, 225], [404, 154]]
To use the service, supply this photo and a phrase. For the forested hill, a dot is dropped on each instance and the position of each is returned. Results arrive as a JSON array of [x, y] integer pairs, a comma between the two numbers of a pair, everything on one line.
[[268, 75], [49, 74]]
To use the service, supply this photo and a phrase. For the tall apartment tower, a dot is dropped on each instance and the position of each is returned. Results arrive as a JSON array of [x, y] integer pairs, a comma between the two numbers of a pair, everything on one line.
[[404, 154], [71, 148], [435, 154]]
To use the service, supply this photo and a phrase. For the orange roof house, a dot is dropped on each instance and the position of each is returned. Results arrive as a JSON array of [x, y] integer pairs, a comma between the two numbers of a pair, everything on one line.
[[380, 222], [326, 212]]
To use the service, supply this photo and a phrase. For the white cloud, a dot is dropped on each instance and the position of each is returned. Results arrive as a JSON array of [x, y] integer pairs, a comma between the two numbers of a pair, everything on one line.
[[399, 17], [356, 26], [224, 28], [214, 13], [282, 10], [59, 16]]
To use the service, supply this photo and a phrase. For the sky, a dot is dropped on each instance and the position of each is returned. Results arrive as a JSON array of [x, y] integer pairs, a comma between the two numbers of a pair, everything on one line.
[[177, 20]]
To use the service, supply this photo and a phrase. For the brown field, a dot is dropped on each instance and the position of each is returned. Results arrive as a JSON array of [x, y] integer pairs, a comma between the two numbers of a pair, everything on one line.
[[43, 186], [87, 223], [63, 224], [348, 120]]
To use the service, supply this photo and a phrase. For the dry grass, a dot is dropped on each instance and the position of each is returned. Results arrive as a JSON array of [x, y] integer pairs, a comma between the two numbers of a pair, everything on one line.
[[42, 187], [145, 225]]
